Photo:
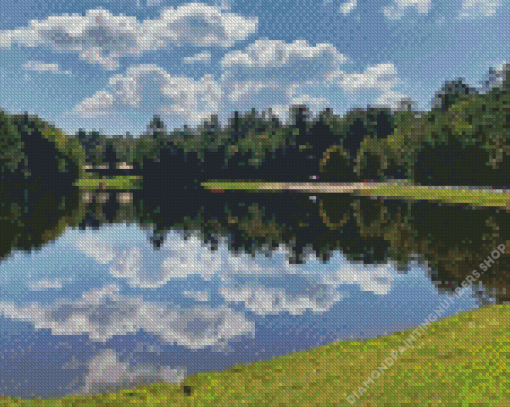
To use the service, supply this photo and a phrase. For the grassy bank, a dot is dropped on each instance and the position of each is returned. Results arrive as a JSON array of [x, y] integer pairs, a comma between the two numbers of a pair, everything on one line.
[[475, 197], [458, 361], [120, 182]]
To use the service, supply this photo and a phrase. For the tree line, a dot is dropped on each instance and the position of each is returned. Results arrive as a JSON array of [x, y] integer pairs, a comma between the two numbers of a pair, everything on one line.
[[462, 140]]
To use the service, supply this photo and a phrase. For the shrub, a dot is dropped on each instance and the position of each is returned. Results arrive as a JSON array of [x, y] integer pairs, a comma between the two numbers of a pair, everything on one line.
[[336, 165]]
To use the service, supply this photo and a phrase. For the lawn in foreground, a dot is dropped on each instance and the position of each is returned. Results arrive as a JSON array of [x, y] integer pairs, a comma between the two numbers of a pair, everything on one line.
[[458, 361]]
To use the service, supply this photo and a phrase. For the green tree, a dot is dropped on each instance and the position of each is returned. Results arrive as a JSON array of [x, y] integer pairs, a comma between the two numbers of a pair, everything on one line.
[[451, 92], [52, 157], [11, 148], [321, 135], [336, 165], [370, 165], [298, 121], [452, 163], [210, 130], [156, 128], [354, 131]]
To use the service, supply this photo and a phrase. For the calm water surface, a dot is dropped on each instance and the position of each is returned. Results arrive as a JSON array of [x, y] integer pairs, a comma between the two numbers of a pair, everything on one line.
[[104, 292]]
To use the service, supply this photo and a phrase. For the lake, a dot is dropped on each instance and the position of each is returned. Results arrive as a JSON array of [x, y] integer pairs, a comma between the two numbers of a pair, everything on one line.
[[104, 291]]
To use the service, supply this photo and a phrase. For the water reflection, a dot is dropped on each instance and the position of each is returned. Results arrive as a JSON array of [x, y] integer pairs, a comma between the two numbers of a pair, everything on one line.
[[143, 289]]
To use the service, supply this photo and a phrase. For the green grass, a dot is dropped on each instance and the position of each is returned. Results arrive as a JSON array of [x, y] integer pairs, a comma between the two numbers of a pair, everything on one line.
[[458, 361], [475, 197], [470, 196], [233, 185], [120, 182]]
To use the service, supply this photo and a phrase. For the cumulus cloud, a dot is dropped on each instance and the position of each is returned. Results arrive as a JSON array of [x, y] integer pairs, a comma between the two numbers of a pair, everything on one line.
[[275, 69], [346, 8], [180, 259], [390, 99], [96, 249], [396, 10], [381, 77], [101, 38], [42, 285], [319, 290], [224, 4], [143, 268], [270, 301], [103, 314], [107, 373], [197, 295], [268, 64], [150, 86], [376, 279], [178, 27], [478, 8], [40, 66], [498, 76], [202, 57], [277, 66]]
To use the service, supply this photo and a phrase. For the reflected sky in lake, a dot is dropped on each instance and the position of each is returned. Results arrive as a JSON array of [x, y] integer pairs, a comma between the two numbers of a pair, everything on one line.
[[101, 309]]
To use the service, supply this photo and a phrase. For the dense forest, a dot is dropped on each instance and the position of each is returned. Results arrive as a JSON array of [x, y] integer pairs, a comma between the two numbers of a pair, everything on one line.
[[462, 140]]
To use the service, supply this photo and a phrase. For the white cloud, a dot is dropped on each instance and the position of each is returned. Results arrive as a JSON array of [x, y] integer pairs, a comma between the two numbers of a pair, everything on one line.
[[103, 314], [498, 79], [381, 77], [101, 38], [346, 8], [151, 87], [176, 259], [275, 69], [180, 260], [178, 27], [98, 37], [40, 66], [224, 4], [268, 64], [398, 8], [270, 301], [390, 99], [374, 278], [318, 295], [197, 295], [107, 373], [478, 8], [42, 285], [96, 249], [202, 57]]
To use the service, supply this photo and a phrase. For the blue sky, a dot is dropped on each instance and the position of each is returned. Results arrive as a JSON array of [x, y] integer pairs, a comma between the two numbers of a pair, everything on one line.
[[111, 65]]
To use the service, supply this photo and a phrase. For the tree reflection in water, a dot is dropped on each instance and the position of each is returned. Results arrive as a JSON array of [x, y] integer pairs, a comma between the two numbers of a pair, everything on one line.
[[452, 241]]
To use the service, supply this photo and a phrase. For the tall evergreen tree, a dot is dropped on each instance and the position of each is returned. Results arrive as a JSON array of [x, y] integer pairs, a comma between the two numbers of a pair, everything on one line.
[[354, 131], [157, 129], [298, 117], [451, 92], [11, 147]]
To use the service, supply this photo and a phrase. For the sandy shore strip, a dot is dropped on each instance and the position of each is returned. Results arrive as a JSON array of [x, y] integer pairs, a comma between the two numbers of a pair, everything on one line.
[[333, 187], [336, 187]]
